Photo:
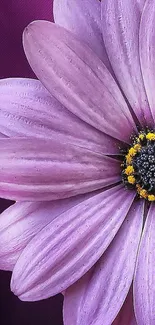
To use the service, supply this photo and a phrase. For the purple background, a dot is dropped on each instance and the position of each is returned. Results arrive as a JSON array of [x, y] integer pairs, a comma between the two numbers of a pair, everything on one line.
[[15, 15], [14, 312]]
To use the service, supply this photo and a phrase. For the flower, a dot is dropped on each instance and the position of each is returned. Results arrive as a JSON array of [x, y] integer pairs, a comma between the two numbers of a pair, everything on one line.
[[91, 239], [14, 17]]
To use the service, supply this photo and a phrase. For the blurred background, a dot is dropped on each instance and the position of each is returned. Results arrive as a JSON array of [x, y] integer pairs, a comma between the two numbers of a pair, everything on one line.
[[15, 312]]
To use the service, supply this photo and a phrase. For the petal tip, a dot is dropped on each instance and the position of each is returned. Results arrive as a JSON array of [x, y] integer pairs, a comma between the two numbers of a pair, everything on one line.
[[31, 27]]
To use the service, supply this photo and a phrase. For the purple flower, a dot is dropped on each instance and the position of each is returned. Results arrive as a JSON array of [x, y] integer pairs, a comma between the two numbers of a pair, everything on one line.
[[62, 145]]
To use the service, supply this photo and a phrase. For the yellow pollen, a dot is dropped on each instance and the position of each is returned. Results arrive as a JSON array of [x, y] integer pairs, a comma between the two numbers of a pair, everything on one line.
[[151, 197], [132, 152], [128, 159], [138, 188], [141, 136], [131, 179], [137, 147], [129, 170], [142, 193], [150, 136]]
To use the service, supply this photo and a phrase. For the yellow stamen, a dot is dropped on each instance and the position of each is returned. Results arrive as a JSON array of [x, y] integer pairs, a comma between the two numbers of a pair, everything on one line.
[[131, 179], [132, 152], [142, 136], [128, 159], [151, 197], [137, 147], [129, 170], [142, 193], [150, 136]]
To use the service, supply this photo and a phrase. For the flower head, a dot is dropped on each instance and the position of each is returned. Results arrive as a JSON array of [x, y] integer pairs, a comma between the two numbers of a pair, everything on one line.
[[72, 145]]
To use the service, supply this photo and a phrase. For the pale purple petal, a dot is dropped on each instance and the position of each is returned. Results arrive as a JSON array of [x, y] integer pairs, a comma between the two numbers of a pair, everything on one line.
[[126, 315], [73, 74], [34, 169], [83, 17], [27, 109], [2, 135], [121, 21], [106, 288], [144, 284], [18, 224], [22, 221], [140, 4], [70, 245], [147, 51]]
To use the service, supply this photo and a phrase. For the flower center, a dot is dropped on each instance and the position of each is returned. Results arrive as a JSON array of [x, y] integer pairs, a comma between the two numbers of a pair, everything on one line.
[[139, 165]]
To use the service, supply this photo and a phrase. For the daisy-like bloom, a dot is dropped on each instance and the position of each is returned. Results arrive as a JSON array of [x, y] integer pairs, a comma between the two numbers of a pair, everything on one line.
[[83, 139]]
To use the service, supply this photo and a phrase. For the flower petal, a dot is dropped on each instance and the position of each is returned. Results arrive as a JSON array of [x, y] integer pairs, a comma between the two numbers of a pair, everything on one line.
[[126, 316], [34, 169], [144, 284], [73, 74], [147, 51], [121, 21], [27, 109], [2, 135], [140, 4], [83, 17], [99, 297], [69, 246], [22, 221], [18, 224]]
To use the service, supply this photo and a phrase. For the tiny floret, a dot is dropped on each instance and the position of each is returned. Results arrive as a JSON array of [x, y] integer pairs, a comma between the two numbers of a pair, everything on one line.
[[129, 170], [151, 197], [132, 152], [150, 136], [131, 179], [141, 136]]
